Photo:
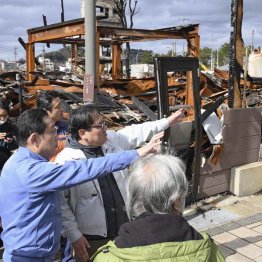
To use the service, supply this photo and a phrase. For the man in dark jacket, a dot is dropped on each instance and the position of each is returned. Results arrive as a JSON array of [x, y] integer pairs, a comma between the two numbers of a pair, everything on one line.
[[7, 131]]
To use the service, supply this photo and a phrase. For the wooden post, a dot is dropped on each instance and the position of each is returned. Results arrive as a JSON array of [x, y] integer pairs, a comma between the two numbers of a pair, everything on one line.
[[239, 54], [116, 61], [74, 57], [193, 47], [30, 61]]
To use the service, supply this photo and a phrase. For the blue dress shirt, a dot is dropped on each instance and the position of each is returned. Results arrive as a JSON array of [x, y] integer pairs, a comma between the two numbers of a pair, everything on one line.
[[29, 199]]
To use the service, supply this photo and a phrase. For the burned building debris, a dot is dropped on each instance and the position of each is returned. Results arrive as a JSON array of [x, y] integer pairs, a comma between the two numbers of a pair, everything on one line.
[[178, 83]]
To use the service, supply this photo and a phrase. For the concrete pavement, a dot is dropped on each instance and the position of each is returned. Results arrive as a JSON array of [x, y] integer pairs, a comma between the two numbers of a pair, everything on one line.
[[234, 223]]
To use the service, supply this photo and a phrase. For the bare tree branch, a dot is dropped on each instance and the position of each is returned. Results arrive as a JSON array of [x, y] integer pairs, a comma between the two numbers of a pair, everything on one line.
[[132, 11], [121, 8], [121, 11]]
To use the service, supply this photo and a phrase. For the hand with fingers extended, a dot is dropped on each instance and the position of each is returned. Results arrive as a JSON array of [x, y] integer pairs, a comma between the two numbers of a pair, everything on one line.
[[153, 146], [80, 247], [176, 117]]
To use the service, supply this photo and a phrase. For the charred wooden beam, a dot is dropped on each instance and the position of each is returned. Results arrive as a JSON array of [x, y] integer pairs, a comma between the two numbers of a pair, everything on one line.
[[144, 108], [76, 27], [236, 54]]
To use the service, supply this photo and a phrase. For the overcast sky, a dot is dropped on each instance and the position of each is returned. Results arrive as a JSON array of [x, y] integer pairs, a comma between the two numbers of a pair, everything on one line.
[[16, 16]]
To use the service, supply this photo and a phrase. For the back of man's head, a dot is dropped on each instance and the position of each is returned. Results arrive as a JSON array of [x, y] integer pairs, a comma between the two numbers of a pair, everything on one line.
[[44, 100], [4, 105], [155, 184], [83, 118], [29, 122]]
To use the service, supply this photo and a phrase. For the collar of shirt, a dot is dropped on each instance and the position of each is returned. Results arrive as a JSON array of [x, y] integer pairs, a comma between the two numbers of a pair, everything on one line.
[[28, 153]]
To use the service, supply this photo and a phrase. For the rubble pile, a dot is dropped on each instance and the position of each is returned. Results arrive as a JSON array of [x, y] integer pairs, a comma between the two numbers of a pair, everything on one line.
[[114, 96]]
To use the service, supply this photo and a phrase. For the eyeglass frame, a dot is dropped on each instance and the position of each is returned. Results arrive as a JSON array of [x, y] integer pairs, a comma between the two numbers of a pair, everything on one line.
[[102, 126], [54, 132]]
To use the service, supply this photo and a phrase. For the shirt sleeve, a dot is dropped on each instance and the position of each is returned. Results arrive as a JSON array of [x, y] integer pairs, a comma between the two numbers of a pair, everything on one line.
[[134, 136], [41, 176]]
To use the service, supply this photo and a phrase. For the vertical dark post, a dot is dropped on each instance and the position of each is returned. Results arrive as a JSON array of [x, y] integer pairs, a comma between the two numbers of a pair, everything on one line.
[[63, 12], [189, 65], [45, 24], [236, 54], [198, 131], [20, 86]]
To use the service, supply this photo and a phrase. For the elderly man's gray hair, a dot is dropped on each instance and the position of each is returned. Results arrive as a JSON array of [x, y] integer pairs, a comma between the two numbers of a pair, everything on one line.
[[155, 183]]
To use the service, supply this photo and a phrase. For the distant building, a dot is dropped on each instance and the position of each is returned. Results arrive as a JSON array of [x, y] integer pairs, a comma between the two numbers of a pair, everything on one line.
[[2, 64], [8, 66], [105, 9], [46, 64], [67, 67]]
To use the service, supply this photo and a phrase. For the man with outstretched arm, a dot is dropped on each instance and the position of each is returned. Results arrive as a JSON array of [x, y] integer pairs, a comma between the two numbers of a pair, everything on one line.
[[93, 212], [29, 185]]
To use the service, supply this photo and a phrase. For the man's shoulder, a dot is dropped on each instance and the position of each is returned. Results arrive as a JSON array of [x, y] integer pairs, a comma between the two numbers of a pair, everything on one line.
[[69, 153], [113, 143]]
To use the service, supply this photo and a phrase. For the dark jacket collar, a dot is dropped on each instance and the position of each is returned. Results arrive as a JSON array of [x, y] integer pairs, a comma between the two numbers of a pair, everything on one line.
[[151, 228], [89, 151]]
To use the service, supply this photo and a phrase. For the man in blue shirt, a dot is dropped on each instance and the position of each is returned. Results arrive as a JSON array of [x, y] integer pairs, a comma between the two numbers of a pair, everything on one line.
[[29, 185]]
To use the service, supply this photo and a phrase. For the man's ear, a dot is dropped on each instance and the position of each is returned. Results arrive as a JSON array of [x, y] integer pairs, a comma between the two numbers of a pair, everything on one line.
[[34, 140], [81, 133]]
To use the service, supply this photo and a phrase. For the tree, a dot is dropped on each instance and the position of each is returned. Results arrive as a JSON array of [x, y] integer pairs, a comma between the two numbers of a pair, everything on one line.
[[22, 61], [205, 56], [124, 16], [59, 56], [224, 52], [147, 57]]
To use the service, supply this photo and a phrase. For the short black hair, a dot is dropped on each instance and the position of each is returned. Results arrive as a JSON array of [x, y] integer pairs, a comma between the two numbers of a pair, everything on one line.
[[4, 105], [44, 100], [65, 107], [29, 122], [82, 118]]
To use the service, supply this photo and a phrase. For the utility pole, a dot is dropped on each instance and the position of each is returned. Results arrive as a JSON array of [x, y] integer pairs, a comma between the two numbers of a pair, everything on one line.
[[211, 64], [183, 21], [173, 48], [90, 51], [217, 58], [15, 54], [252, 41]]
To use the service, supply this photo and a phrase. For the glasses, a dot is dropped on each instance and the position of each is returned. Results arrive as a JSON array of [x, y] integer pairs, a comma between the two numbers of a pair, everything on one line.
[[102, 126], [52, 132]]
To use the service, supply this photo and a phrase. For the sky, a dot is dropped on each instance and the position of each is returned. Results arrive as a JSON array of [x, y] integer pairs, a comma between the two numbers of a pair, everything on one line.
[[16, 16]]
